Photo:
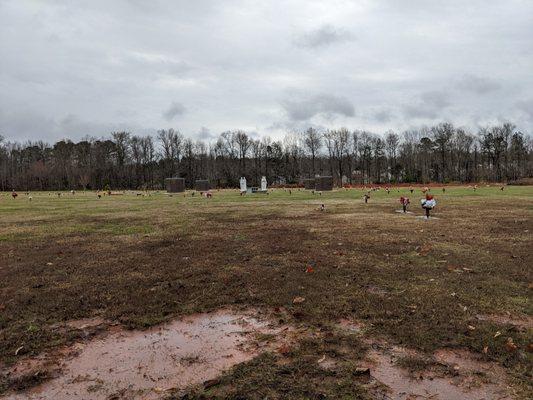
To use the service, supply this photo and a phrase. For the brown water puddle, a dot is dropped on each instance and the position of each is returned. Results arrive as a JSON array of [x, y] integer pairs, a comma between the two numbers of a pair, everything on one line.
[[470, 379], [452, 374], [144, 364]]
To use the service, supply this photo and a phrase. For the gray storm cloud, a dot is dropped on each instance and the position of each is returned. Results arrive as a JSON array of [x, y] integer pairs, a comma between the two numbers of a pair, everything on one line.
[[477, 84], [268, 67], [304, 108], [324, 36], [428, 105], [174, 110]]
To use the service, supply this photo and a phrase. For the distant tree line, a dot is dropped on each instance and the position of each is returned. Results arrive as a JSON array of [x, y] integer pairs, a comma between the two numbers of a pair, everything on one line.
[[442, 153]]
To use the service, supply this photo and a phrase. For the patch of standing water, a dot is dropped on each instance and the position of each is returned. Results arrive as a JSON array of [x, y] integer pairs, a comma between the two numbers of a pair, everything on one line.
[[428, 385], [144, 364], [451, 374]]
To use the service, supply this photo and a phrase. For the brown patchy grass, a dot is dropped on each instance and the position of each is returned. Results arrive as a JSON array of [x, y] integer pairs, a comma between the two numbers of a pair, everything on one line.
[[141, 261]]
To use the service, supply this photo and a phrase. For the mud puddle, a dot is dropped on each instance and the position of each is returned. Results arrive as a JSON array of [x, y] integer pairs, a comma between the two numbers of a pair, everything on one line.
[[458, 376], [451, 374], [145, 364]]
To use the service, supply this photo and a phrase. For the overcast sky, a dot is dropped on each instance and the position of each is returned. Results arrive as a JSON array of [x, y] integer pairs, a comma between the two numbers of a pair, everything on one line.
[[75, 68]]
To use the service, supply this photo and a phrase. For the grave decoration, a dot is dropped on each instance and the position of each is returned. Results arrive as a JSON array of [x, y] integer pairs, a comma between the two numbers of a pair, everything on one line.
[[404, 201], [428, 203], [366, 197], [14, 194]]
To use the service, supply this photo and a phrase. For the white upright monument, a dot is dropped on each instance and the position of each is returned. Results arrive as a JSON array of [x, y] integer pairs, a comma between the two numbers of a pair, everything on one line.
[[263, 184], [243, 184]]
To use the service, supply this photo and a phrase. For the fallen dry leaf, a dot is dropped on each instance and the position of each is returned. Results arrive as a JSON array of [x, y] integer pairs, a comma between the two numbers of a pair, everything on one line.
[[298, 300], [510, 345], [284, 349]]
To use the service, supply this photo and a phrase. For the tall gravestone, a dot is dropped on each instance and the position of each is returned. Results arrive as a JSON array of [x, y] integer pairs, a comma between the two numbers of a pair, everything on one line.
[[243, 184], [175, 185], [263, 184], [309, 184], [201, 185], [324, 183]]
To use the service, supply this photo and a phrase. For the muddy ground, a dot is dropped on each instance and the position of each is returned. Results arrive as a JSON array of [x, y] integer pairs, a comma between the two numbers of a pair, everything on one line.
[[414, 290]]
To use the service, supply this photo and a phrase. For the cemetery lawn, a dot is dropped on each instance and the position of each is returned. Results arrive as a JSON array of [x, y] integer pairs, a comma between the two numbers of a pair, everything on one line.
[[453, 282]]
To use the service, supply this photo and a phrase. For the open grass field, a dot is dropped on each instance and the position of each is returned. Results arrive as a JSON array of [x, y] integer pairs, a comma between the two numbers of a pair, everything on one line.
[[463, 280]]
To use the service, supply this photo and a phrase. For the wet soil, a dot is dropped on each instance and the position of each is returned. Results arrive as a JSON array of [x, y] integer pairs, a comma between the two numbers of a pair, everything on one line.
[[450, 374], [144, 364]]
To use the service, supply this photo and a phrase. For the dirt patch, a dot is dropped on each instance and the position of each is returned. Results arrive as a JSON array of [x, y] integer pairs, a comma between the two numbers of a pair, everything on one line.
[[450, 374], [377, 290], [85, 323], [423, 217], [144, 364], [523, 322], [401, 373], [351, 326]]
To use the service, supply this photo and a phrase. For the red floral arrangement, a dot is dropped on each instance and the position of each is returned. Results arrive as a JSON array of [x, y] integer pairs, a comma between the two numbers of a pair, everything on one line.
[[404, 200]]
